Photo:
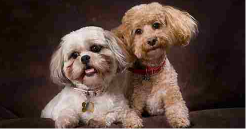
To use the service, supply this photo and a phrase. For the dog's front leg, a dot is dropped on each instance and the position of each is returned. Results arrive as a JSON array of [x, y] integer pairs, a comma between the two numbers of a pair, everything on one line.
[[138, 101], [130, 119], [175, 108], [98, 122], [140, 94], [67, 118]]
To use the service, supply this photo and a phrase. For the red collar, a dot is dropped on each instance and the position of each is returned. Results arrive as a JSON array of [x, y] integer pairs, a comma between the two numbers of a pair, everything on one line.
[[148, 70]]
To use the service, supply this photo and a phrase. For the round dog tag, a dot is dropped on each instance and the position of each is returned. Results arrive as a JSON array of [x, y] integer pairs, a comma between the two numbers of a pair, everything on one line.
[[89, 106]]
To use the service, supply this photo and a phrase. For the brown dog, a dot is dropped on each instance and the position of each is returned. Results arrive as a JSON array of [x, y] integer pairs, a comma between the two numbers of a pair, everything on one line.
[[148, 31]]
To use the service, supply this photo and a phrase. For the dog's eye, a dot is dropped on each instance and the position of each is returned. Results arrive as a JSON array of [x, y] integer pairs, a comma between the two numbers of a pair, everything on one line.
[[156, 25], [74, 55], [138, 31], [96, 48]]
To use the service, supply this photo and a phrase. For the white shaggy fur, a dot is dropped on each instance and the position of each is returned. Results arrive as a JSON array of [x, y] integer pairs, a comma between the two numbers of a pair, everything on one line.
[[109, 83]]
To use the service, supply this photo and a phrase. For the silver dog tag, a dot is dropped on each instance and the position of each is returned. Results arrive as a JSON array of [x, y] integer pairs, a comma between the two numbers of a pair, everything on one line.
[[146, 77]]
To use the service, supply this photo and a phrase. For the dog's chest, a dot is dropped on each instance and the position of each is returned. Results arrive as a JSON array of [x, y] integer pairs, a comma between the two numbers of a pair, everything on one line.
[[152, 90], [147, 87], [153, 103], [98, 107]]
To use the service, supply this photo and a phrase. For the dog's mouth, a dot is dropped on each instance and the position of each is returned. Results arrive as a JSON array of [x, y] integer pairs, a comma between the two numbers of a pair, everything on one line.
[[89, 71], [153, 48], [153, 56]]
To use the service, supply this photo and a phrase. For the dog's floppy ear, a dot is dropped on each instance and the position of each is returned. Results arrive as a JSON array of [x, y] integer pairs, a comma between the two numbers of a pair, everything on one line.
[[124, 35], [119, 49], [118, 32], [183, 27], [121, 33], [56, 67]]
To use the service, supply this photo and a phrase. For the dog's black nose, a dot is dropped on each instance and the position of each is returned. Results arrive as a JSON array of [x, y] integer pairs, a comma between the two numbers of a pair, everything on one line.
[[85, 59], [152, 41]]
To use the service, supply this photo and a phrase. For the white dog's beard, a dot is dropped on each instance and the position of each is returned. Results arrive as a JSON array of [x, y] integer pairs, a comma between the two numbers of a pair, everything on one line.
[[94, 76]]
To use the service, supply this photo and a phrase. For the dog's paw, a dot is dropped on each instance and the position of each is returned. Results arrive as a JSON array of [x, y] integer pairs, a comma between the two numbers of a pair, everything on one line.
[[180, 123], [187, 127], [133, 121], [66, 122], [97, 123]]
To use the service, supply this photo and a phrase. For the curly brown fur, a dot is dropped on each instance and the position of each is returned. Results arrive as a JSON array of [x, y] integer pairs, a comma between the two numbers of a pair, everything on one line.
[[148, 31]]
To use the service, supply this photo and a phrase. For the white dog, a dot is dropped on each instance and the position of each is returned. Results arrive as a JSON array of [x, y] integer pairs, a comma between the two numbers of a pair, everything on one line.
[[89, 63]]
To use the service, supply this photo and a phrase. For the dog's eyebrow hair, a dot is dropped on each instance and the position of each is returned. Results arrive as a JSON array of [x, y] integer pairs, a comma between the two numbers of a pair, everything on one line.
[[91, 40], [96, 42]]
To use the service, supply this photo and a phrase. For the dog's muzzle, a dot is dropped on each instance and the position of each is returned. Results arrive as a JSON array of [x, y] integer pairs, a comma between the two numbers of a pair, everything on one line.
[[85, 59], [152, 41]]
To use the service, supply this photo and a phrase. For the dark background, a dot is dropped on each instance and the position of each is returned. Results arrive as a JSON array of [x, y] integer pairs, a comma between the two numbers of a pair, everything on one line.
[[211, 69]]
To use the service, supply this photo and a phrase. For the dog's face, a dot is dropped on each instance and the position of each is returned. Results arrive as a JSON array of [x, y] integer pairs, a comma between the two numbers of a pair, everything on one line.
[[149, 29], [149, 42], [89, 58]]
